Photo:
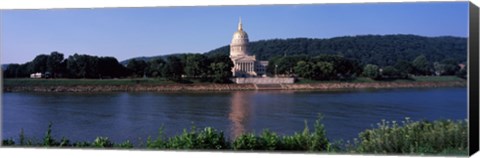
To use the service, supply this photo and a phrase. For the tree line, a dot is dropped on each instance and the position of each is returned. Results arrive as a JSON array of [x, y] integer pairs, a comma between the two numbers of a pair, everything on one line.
[[216, 68], [381, 50], [335, 67]]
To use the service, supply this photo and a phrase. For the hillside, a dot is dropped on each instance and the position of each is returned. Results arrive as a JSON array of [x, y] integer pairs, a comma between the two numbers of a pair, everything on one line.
[[381, 50], [371, 49]]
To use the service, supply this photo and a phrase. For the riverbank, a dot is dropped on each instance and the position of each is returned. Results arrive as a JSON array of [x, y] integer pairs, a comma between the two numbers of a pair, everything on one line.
[[440, 137], [149, 85]]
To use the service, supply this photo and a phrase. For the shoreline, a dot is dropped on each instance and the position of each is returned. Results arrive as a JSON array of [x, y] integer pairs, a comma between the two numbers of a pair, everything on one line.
[[199, 87]]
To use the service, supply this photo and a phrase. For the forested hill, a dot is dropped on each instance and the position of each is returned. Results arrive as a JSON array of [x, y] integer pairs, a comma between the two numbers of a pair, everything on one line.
[[381, 50]]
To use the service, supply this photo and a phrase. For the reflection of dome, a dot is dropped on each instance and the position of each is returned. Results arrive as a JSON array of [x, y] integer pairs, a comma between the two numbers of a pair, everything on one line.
[[238, 47]]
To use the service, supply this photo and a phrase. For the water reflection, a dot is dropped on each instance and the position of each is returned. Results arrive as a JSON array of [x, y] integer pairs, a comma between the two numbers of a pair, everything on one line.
[[239, 112]]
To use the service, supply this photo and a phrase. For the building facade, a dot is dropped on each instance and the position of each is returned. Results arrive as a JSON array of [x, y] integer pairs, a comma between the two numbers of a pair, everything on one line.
[[245, 65]]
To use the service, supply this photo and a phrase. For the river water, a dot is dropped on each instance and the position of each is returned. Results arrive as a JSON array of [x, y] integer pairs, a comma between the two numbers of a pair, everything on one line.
[[135, 116]]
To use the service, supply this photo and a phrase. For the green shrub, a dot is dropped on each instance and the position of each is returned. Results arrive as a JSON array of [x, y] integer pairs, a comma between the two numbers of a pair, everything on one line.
[[246, 141], [306, 141], [82, 144], [102, 142], [210, 138], [48, 139], [64, 143], [158, 143], [187, 140], [126, 145], [444, 136], [8, 142], [269, 140]]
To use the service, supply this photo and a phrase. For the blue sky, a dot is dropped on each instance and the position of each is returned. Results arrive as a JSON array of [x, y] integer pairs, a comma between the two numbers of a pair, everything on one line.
[[131, 32]]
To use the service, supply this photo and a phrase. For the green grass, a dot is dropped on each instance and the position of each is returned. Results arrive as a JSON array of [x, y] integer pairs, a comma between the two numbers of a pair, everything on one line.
[[369, 80], [437, 137], [76, 82], [441, 137], [141, 81], [437, 78]]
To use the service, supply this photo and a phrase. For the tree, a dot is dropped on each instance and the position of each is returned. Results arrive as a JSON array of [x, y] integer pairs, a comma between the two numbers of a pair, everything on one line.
[[83, 66], [54, 64], [12, 71], [109, 67], [137, 67], [304, 69], [390, 72], [404, 68], [371, 71], [173, 70], [446, 67], [323, 71], [421, 65], [40, 63], [155, 67], [196, 66], [221, 72]]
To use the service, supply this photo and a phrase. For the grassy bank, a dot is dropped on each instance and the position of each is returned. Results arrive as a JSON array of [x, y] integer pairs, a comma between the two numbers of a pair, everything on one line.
[[80, 82], [162, 81], [442, 137], [162, 85], [412, 79]]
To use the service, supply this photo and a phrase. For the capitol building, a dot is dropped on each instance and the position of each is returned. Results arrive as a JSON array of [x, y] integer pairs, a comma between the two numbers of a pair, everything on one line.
[[245, 65]]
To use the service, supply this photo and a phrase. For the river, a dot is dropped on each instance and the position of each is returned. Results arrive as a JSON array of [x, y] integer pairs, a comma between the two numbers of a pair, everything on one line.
[[135, 116]]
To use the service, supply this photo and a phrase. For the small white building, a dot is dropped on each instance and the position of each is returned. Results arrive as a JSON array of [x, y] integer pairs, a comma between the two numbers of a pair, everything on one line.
[[36, 75]]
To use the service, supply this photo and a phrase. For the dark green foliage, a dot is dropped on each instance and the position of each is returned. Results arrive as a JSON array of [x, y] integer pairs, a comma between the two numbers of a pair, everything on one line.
[[247, 141], [304, 69], [173, 69], [196, 66], [81, 144], [125, 145], [404, 68], [102, 142], [221, 72], [159, 143], [108, 67], [421, 66], [420, 137], [155, 67], [425, 137], [40, 63], [391, 72], [269, 140], [137, 67], [54, 64], [48, 139], [322, 67], [382, 50], [64, 142], [323, 70], [8, 142], [208, 138], [371, 71], [446, 67], [316, 141]]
